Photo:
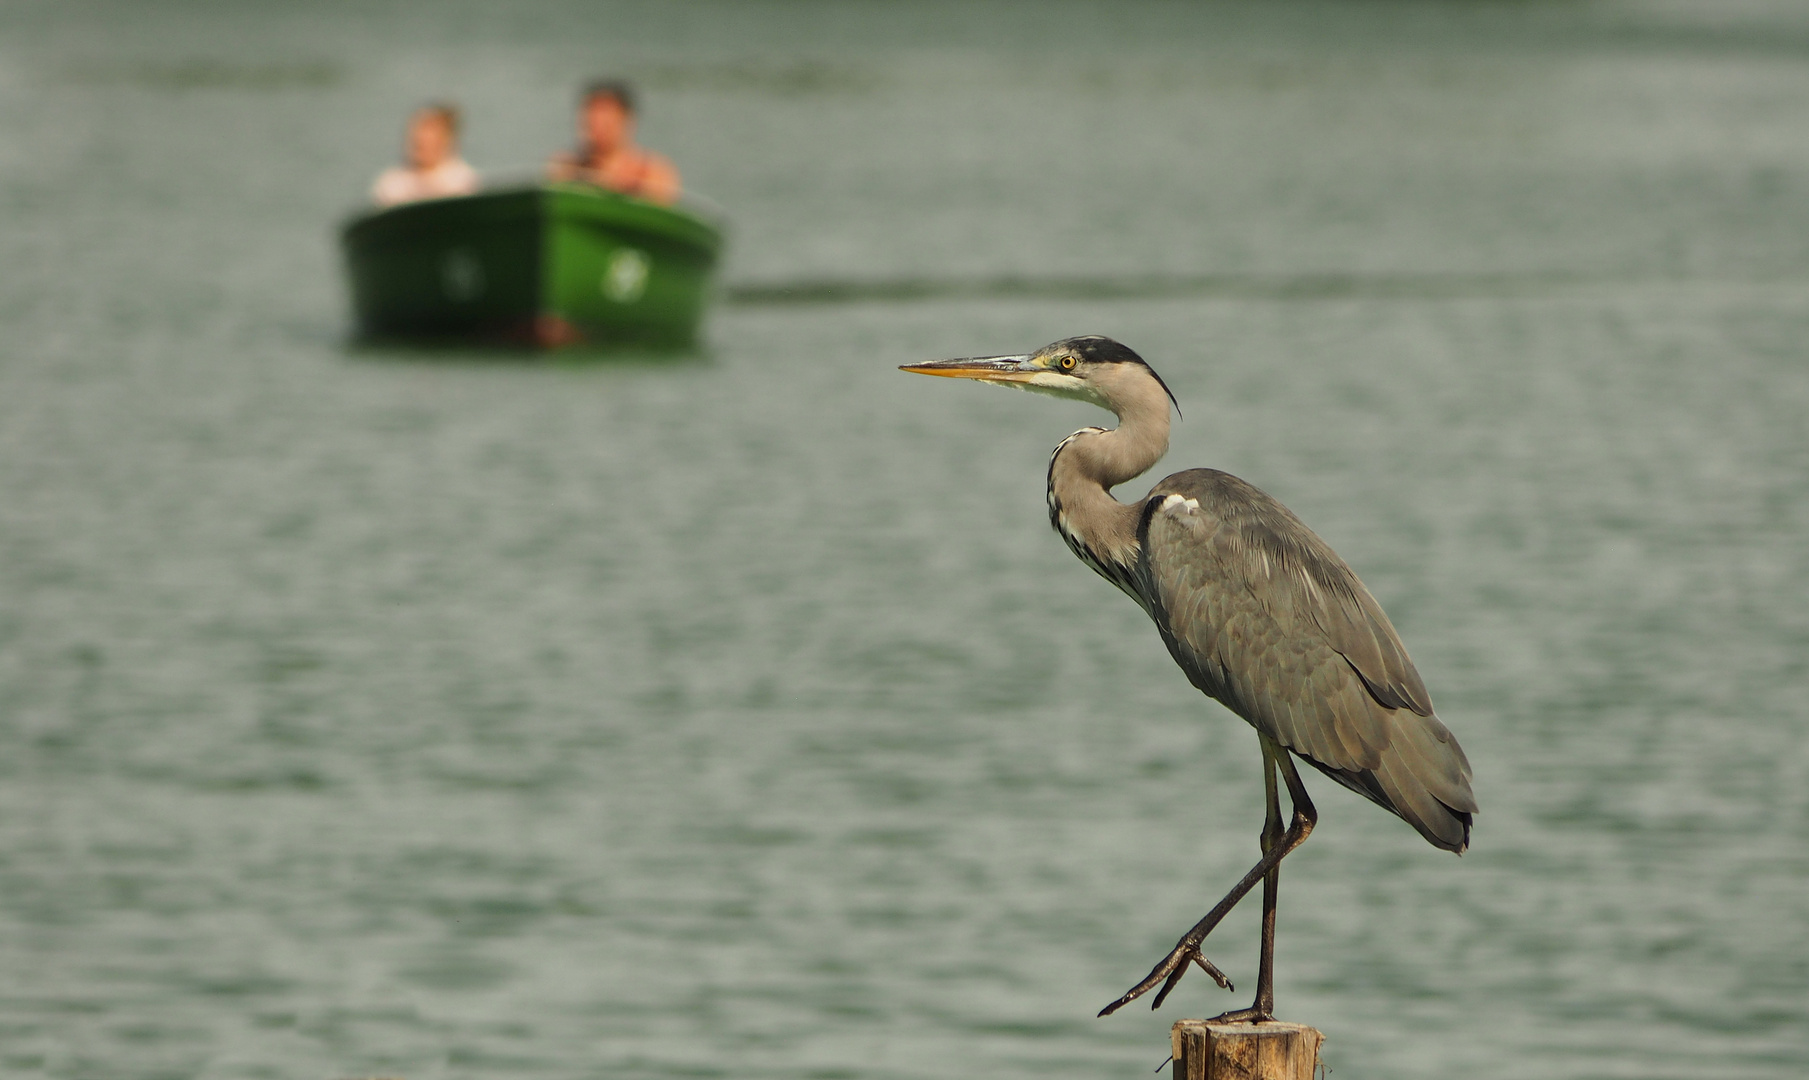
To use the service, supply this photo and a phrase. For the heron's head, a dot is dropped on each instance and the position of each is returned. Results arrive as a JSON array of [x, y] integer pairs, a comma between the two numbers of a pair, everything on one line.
[[1092, 369]]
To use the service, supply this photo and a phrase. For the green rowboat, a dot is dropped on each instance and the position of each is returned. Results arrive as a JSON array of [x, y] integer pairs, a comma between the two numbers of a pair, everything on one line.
[[548, 266]]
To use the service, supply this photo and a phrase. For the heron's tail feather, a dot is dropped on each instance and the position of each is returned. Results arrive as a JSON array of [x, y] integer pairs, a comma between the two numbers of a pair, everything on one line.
[[1423, 777]]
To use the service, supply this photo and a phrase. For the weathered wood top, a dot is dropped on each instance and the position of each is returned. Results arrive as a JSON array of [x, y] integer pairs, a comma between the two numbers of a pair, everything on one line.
[[1273, 1050]]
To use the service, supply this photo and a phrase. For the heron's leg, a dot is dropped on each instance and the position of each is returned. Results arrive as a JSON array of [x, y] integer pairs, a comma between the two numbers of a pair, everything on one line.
[[1272, 834], [1174, 965], [1263, 1008]]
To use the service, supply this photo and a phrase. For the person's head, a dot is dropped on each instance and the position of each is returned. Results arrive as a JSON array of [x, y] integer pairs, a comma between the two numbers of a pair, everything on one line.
[[433, 134], [606, 114]]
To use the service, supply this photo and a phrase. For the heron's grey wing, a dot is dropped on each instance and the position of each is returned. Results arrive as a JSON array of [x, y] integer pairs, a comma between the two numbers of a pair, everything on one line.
[[1242, 623], [1266, 618]]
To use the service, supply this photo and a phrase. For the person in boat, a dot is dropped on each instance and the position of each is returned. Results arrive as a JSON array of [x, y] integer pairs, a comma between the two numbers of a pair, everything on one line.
[[607, 155], [433, 169]]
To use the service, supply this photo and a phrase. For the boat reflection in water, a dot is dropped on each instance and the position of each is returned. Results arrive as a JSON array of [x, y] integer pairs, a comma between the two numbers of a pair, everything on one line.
[[543, 266]]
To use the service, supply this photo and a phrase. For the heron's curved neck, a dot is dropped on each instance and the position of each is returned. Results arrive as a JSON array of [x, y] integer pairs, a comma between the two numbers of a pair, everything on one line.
[[1090, 463]]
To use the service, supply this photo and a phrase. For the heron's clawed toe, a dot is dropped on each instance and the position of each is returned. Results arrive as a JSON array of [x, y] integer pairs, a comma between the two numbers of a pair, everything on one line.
[[1168, 973], [1243, 1016], [1211, 969], [1194, 954]]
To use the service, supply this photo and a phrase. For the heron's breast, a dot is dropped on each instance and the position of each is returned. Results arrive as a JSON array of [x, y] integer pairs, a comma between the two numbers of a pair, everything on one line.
[[1119, 568]]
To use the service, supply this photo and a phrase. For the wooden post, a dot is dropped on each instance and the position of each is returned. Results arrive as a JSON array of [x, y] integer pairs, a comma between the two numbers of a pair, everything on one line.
[[1269, 1051]]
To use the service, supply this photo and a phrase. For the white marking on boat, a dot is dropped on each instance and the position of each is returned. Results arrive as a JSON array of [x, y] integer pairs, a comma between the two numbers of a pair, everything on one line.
[[625, 277]]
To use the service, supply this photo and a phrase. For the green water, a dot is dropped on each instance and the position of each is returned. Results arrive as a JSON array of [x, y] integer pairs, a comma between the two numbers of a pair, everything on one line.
[[376, 714]]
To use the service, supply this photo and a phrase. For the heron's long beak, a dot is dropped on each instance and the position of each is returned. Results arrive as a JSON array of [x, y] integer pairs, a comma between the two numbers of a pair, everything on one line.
[[984, 368]]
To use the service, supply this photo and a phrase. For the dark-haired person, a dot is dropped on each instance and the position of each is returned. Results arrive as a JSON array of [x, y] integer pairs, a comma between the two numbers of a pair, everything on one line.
[[434, 169], [607, 155]]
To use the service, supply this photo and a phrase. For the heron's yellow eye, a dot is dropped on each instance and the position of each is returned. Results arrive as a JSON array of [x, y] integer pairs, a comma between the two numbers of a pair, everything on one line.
[[1067, 363]]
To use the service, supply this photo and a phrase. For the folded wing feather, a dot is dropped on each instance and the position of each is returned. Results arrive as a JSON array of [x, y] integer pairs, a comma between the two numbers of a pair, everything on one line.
[[1266, 618]]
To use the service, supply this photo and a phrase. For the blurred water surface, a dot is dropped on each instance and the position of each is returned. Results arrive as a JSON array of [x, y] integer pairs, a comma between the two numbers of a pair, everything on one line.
[[368, 713]]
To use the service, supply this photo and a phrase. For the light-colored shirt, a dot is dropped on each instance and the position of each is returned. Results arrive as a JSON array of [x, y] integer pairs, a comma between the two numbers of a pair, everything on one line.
[[402, 184]]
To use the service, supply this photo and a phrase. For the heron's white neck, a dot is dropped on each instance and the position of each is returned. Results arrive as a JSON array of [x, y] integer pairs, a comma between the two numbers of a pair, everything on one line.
[[1091, 462]]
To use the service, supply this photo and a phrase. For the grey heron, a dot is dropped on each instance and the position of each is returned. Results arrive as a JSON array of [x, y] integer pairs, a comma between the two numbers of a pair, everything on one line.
[[1260, 614]]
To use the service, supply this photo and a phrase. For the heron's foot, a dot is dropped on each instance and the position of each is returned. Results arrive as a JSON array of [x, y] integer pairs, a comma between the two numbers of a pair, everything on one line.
[[1252, 1015], [1168, 973]]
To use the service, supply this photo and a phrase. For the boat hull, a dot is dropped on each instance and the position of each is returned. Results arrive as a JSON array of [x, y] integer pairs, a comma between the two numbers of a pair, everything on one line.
[[544, 266]]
